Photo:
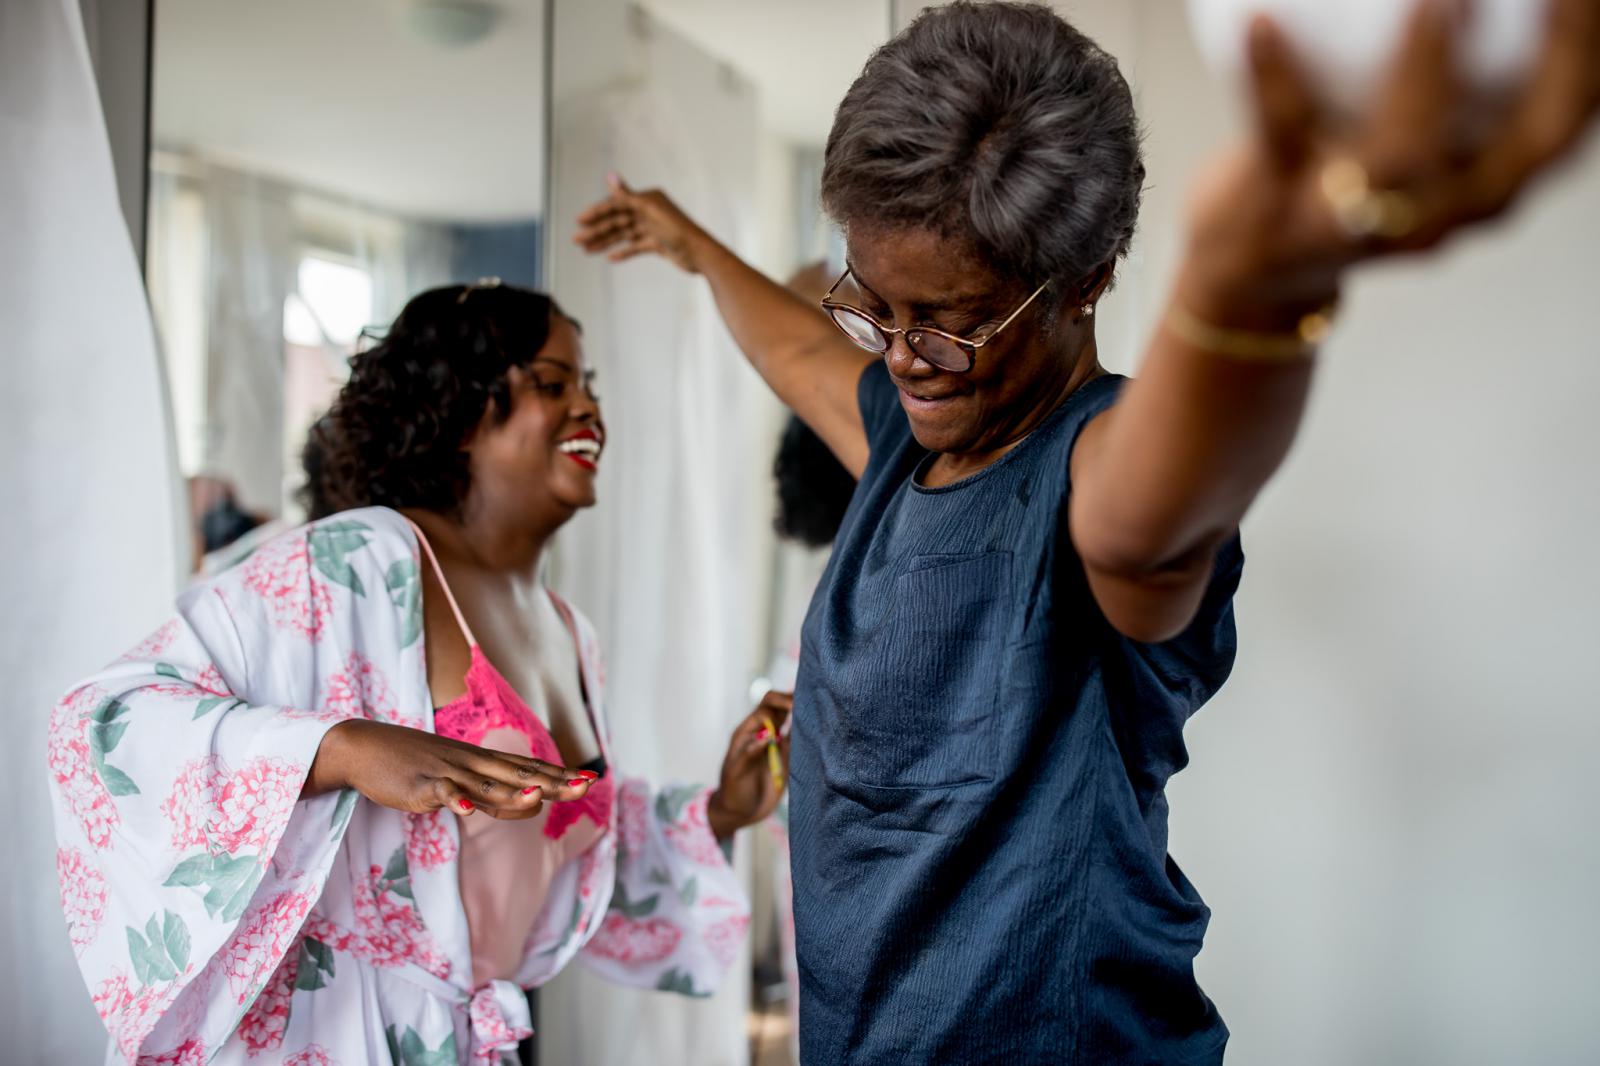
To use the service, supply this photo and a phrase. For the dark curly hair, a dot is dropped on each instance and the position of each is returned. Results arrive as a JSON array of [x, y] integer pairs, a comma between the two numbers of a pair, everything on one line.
[[394, 435], [998, 124], [814, 489]]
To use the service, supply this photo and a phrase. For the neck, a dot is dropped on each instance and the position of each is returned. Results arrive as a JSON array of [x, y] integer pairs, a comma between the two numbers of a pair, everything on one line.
[[950, 467], [483, 543]]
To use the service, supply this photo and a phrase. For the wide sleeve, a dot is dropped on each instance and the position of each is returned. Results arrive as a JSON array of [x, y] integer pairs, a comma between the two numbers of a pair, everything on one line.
[[678, 913], [187, 860]]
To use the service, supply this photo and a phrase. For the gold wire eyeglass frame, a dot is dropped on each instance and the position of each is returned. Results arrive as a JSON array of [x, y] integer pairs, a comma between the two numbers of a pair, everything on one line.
[[911, 333]]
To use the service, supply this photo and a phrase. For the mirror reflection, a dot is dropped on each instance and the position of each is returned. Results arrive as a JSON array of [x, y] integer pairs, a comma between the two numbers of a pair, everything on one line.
[[313, 166]]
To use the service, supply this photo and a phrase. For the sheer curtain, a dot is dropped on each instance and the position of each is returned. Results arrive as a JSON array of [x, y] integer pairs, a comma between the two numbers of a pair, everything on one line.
[[670, 564], [90, 541]]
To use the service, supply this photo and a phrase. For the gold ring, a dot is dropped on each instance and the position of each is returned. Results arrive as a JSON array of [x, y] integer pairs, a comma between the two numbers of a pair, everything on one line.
[[1362, 211]]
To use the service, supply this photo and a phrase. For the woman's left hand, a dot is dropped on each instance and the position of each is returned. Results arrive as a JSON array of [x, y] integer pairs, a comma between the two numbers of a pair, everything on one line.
[[748, 792]]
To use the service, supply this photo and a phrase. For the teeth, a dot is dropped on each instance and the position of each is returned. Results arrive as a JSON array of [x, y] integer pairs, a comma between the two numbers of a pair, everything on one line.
[[582, 446]]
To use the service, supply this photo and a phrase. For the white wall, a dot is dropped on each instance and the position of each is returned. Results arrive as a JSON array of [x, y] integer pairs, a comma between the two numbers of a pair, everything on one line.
[[89, 541], [1389, 807]]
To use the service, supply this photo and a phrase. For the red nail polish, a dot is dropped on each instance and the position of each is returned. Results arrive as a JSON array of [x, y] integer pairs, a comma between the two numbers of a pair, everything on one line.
[[530, 790], [762, 733], [466, 805], [576, 781], [588, 775]]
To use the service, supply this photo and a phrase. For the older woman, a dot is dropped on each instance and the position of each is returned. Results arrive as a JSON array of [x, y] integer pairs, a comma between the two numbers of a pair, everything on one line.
[[1032, 590], [333, 812]]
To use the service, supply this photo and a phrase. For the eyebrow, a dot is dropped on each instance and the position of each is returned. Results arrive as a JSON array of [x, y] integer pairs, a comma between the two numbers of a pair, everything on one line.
[[558, 364], [971, 302]]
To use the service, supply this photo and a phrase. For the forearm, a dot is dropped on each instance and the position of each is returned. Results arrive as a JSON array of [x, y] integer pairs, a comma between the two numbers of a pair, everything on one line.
[[772, 326], [1192, 440]]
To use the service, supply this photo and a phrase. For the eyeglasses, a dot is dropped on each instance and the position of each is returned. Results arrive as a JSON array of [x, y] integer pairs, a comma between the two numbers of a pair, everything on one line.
[[944, 350]]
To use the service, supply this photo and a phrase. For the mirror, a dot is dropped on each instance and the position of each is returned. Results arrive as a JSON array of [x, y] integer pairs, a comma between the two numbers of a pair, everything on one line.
[[313, 165], [726, 106]]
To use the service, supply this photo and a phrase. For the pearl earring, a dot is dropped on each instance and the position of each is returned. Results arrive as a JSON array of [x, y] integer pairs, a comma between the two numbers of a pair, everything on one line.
[[1088, 310]]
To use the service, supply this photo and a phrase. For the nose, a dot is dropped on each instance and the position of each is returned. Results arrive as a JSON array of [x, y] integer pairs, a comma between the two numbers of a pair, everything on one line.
[[903, 360]]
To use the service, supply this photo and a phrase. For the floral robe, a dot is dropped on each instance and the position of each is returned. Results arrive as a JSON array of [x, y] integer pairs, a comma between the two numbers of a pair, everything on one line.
[[219, 918]]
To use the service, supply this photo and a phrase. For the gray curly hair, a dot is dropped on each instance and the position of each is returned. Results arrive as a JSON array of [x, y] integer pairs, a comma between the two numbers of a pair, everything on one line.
[[999, 124]]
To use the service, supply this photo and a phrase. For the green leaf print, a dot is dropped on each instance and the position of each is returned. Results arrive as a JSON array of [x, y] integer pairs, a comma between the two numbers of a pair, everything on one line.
[[315, 965], [168, 670], [670, 804], [230, 881], [632, 908], [690, 889], [161, 952], [211, 703], [117, 783], [342, 811], [105, 733], [675, 980], [398, 869], [404, 582], [572, 927], [409, 1050], [331, 543], [175, 935]]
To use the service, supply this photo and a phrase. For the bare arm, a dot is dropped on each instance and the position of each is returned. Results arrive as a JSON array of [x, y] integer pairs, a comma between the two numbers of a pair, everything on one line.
[[811, 367], [1165, 475]]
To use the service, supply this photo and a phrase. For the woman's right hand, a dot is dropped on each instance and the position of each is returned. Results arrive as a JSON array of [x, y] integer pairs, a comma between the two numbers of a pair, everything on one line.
[[629, 223], [412, 770]]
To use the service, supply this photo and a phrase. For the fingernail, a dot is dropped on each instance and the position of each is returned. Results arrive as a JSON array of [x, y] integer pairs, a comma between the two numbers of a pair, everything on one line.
[[589, 774], [530, 790], [763, 733], [576, 781], [465, 805]]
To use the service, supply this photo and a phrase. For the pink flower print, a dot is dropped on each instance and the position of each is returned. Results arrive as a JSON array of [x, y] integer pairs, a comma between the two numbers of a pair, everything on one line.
[[358, 691], [281, 574], [724, 938], [255, 804], [691, 835], [312, 1055], [491, 1032], [155, 644], [429, 843], [189, 806], [83, 897], [142, 1012], [629, 940], [189, 1053], [261, 940], [263, 1025], [633, 815], [112, 996], [72, 766]]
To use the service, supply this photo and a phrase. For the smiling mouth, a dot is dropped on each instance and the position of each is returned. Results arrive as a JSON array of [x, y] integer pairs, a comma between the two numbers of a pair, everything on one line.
[[584, 449], [912, 400]]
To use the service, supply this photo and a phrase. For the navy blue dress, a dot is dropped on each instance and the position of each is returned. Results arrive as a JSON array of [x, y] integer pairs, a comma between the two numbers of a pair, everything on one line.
[[977, 816]]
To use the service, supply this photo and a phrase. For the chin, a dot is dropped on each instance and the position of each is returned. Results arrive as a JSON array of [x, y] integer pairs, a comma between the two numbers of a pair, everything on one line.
[[940, 435]]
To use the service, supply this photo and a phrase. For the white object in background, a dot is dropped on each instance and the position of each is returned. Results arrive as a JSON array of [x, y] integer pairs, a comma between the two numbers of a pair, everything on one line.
[[89, 541], [1348, 44]]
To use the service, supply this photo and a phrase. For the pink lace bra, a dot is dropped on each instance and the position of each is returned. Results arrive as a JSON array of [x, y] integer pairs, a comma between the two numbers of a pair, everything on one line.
[[506, 867]]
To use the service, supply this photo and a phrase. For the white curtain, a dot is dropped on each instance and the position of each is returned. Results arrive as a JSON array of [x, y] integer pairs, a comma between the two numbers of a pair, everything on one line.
[[670, 565], [251, 263], [89, 542]]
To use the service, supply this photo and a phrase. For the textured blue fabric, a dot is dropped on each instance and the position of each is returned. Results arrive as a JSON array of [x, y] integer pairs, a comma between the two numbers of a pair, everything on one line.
[[977, 818]]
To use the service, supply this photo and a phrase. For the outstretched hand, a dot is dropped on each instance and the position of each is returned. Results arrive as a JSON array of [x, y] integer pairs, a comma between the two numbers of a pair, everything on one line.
[[1309, 194], [629, 223]]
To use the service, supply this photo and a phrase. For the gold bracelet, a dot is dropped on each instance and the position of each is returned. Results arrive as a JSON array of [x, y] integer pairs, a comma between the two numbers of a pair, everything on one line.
[[1253, 346]]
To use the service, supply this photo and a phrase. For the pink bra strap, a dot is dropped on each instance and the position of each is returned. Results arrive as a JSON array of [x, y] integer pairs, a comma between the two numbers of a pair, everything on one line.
[[449, 596]]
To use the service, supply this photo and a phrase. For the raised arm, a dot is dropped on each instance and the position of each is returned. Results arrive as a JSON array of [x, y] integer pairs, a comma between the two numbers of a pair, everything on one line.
[[1166, 474], [796, 350]]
